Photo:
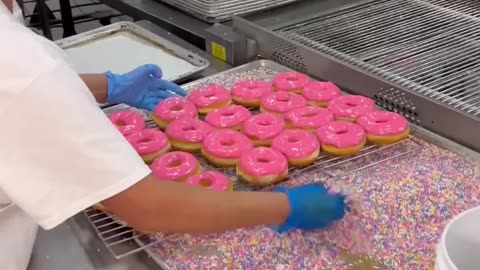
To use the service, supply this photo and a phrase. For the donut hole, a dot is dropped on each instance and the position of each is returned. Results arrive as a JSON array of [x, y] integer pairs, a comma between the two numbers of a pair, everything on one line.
[[205, 182], [144, 140], [227, 142], [209, 95], [263, 160], [292, 78], [189, 128], [174, 163], [293, 140], [252, 87], [264, 123], [381, 121], [176, 108], [228, 114], [120, 123], [309, 114], [283, 99], [350, 104], [341, 131]]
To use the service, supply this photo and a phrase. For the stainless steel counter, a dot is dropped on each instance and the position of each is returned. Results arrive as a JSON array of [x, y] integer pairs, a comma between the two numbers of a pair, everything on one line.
[[74, 245]]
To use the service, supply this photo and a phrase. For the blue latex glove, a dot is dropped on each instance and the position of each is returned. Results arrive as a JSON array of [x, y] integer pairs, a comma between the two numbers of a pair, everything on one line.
[[142, 87], [311, 207]]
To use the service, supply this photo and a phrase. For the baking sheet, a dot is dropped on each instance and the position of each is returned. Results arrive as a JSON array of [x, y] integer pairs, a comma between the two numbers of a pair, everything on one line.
[[121, 47]]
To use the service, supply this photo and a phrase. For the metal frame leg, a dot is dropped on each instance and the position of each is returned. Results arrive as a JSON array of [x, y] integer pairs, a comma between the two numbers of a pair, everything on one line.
[[67, 18], [44, 19]]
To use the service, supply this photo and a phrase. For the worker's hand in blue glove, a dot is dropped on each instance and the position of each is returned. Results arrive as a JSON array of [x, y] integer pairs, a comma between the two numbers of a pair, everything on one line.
[[311, 207], [142, 87]]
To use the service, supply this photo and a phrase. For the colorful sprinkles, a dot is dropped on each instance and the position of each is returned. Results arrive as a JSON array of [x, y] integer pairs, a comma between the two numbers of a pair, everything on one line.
[[405, 204]]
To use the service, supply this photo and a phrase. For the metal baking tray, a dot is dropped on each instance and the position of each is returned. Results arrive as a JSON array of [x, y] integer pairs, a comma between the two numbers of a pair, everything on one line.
[[218, 11], [116, 236], [179, 63]]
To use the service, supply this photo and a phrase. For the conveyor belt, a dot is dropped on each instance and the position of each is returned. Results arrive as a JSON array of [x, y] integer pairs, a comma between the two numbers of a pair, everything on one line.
[[431, 47]]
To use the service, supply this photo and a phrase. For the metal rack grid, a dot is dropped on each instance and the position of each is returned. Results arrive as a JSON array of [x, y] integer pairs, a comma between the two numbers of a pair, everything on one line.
[[222, 10], [428, 46], [122, 240]]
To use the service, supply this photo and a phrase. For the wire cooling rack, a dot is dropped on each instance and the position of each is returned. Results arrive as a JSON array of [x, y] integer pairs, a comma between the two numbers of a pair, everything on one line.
[[122, 240]]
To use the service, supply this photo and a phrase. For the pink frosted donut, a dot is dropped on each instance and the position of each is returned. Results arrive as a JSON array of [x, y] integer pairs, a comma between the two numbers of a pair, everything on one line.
[[262, 166], [384, 127], [290, 81], [210, 97], [187, 134], [172, 109], [211, 180], [223, 147], [349, 107], [175, 166], [281, 102], [341, 138], [149, 143], [263, 127], [231, 116], [308, 118], [248, 93], [127, 121], [320, 93], [299, 146]]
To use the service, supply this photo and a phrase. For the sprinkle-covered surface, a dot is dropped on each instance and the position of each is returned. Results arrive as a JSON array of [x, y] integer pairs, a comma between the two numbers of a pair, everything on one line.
[[405, 202], [405, 205]]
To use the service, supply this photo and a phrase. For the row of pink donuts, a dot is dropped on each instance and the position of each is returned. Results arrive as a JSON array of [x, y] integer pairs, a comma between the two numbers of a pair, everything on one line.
[[154, 146]]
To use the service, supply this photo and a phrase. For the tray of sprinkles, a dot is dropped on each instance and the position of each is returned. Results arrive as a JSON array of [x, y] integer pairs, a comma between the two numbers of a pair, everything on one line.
[[261, 125]]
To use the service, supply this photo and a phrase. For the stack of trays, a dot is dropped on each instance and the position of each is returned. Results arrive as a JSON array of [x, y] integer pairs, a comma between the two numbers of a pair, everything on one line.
[[222, 10]]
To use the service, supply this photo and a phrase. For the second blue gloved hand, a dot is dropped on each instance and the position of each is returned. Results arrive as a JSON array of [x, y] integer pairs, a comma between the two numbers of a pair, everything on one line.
[[142, 87], [311, 207]]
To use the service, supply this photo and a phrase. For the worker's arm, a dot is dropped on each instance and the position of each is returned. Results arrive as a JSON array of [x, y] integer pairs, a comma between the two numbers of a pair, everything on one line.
[[142, 87], [151, 205], [98, 85]]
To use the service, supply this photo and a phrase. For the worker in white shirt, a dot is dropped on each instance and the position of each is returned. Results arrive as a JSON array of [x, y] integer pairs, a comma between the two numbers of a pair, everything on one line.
[[60, 154]]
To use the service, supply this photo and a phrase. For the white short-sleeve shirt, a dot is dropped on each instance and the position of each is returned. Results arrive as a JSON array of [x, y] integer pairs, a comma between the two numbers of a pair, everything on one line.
[[59, 153]]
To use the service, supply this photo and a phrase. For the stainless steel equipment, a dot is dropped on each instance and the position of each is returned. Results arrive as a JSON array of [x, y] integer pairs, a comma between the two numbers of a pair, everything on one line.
[[420, 58], [222, 10], [179, 54]]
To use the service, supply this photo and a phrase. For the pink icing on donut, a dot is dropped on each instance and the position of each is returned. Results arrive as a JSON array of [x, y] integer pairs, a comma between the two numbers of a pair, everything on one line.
[[309, 117], [174, 166], [227, 117], [296, 143], [188, 130], [341, 134], [251, 90], [263, 126], [212, 180], [127, 121], [209, 95], [263, 161], [321, 91], [148, 141], [351, 106], [290, 81], [383, 123], [282, 102], [226, 143], [175, 108]]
